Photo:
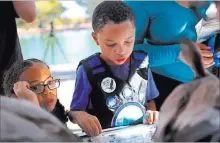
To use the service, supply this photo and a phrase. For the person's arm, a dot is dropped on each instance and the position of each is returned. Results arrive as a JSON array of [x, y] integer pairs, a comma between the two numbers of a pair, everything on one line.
[[168, 54], [82, 90], [26, 10], [152, 93], [90, 124], [151, 105], [160, 54]]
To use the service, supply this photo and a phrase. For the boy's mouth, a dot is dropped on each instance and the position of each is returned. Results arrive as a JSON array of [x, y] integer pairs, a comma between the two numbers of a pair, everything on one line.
[[121, 59]]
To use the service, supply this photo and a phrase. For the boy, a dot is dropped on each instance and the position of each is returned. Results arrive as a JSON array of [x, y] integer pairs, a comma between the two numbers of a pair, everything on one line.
[[117, 78]]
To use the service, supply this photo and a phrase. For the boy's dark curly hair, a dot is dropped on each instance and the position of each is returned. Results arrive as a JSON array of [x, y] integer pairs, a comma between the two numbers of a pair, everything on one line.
[[111, 11]]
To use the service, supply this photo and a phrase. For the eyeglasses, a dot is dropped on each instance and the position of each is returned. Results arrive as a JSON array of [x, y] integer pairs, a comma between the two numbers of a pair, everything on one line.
[[53, 84]]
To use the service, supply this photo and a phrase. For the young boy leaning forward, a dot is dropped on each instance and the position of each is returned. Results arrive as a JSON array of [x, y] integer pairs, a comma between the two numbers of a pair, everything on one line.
[[114, 87]]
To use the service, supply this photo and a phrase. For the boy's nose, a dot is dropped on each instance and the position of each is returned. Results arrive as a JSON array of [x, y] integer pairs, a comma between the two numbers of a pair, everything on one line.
[[120, 50]]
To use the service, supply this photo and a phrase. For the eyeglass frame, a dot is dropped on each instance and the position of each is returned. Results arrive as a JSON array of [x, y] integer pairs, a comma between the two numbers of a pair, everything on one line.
[[44, 85]]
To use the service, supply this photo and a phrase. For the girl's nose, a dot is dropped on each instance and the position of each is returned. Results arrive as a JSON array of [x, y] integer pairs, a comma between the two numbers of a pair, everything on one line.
[[47, 91]]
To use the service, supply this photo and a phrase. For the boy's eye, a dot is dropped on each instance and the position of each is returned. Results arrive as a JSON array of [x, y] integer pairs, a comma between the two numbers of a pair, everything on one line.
[[110, 45], [128, 42]]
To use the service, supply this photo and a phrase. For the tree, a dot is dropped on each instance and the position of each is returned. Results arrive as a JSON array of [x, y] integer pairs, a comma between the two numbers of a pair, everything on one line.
[[47, 11]]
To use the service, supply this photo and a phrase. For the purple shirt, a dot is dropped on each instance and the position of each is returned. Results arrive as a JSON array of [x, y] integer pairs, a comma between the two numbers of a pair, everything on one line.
[[83, 88]]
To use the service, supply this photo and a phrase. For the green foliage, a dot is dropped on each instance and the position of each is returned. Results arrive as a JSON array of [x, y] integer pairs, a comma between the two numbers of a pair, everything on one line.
[[51, 10], [47, 12]]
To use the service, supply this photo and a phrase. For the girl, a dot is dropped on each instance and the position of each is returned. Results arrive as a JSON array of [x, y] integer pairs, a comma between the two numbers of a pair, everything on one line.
[[31, 80]]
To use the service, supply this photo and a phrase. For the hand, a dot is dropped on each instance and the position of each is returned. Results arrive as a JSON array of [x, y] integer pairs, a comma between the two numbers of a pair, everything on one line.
[[207, 55], [152, 117], [26, 10], [89, 124], [22, 90]]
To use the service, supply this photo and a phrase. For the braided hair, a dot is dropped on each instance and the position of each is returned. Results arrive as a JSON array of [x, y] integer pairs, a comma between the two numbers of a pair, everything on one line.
[[60, 113], [12, 75]]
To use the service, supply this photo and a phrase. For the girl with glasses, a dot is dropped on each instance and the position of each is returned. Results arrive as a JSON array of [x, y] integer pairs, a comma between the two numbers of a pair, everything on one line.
[[31, 80]]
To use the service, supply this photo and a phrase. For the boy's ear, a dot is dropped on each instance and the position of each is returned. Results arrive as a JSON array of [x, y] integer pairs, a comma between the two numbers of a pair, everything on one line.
[[95, 38]]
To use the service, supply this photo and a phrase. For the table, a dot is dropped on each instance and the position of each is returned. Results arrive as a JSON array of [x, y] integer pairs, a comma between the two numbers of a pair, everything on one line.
[[137, 133]]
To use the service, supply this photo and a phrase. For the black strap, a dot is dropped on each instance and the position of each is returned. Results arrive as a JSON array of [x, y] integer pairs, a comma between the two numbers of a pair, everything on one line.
[[88, 71]]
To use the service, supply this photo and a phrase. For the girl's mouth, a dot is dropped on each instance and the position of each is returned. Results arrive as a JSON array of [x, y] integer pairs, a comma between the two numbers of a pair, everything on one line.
[[50, 101]]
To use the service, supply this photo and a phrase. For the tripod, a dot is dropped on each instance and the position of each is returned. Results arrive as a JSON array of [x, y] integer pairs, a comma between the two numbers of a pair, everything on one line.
[[52, 43]]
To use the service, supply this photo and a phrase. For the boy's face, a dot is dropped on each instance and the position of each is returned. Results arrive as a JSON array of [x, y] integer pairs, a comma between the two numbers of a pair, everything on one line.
[[39, 74], [116, 41]]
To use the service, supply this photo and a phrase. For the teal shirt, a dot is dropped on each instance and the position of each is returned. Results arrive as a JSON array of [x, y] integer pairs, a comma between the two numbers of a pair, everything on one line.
[[159, 28]]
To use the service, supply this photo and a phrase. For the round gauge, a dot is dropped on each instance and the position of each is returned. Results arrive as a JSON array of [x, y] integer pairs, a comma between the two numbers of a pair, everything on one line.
[[127, 114], [112, 101], [127, 92]]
